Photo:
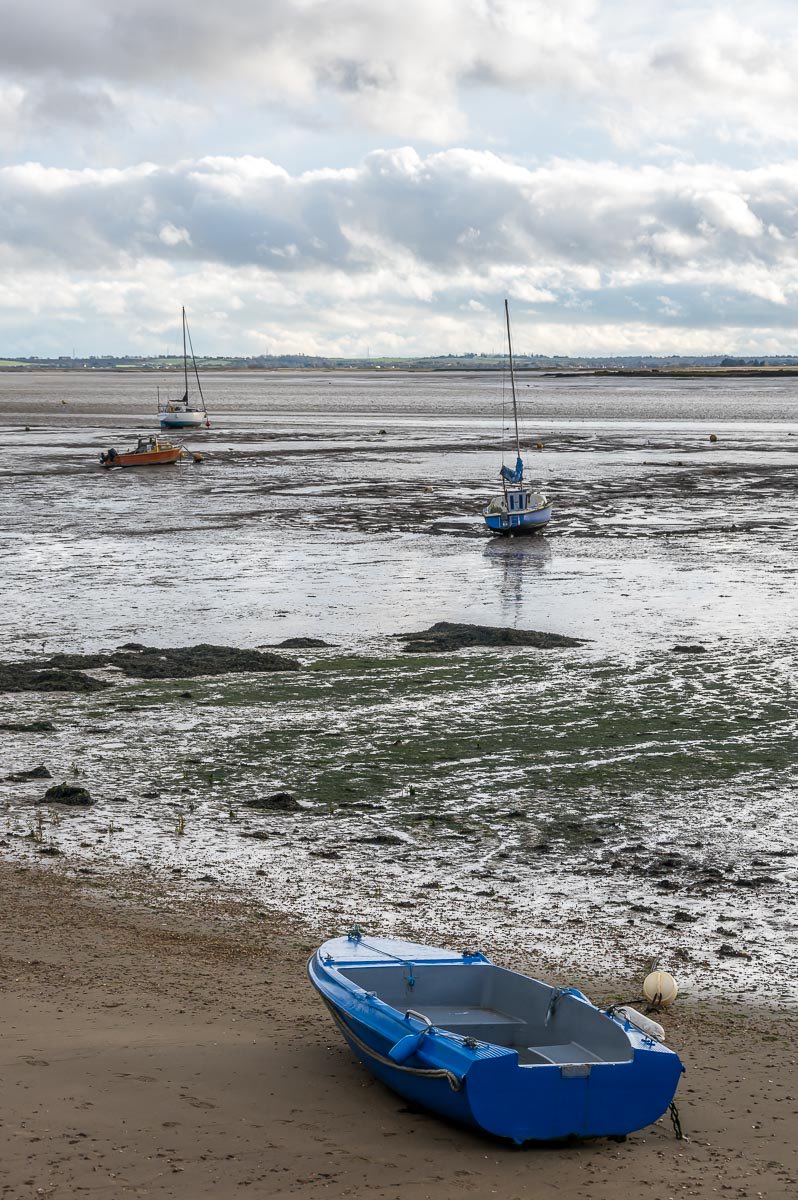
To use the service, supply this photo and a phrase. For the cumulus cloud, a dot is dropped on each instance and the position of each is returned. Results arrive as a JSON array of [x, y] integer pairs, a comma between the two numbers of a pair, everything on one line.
[[603, 162], [417, 69], [435, 241], [396, 68]]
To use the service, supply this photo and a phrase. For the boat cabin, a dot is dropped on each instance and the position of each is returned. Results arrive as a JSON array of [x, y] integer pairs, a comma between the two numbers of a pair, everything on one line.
[[516, 500]]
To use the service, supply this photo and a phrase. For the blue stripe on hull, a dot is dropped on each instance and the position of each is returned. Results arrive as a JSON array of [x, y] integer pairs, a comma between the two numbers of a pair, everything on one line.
[[510, 522]]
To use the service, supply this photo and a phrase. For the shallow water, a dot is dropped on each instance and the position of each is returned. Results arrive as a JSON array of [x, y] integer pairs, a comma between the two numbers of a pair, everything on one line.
[[603, 804]]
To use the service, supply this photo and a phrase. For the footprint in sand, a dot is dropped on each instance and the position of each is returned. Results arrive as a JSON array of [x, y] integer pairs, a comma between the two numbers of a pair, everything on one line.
[[197, 1103]]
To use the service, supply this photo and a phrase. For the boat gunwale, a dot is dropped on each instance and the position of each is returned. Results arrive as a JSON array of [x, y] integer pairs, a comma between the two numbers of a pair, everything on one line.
[[637, 1039]]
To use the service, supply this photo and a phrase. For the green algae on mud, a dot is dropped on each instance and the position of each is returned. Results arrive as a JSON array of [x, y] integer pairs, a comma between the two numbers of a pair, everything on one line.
[[373, 729], [490, 769]]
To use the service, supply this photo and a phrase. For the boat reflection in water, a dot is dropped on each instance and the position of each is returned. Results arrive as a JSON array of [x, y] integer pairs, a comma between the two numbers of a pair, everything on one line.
[[519, 554], [517, 558]]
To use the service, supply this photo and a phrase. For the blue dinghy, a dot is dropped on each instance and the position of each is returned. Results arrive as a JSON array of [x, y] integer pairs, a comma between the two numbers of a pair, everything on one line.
[[490, 1047]]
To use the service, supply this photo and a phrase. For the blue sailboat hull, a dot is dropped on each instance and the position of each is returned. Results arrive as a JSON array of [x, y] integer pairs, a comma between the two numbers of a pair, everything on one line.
[[518, 522], [488, 1047]]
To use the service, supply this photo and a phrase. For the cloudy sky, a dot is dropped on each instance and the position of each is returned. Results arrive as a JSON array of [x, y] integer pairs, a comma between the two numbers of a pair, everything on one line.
[[344, 176]]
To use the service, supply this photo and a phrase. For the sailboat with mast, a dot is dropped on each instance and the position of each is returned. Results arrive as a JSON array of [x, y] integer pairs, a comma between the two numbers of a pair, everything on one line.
[[185, 413], [518, 509]]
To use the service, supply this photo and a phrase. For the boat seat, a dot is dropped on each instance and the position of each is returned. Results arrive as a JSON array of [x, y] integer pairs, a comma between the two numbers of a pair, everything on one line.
[[484, 1024], [568, 1052]]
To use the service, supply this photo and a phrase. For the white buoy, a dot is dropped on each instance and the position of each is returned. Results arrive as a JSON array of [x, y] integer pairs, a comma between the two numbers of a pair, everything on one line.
[[660, 989]]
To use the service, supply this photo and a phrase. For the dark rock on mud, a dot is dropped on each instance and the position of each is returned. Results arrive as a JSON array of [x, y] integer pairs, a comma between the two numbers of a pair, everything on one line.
[[29, 677], [688, 649], [176, 662], [728, 951], [24, 776], [68, 793], [27, 726], [53, 851], [302, 643], [282, 802], [446, 636], [381, 839]]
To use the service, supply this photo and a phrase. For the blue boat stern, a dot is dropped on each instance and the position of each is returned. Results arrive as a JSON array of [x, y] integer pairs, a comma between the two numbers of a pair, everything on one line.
[[385, 995], [518, 510]]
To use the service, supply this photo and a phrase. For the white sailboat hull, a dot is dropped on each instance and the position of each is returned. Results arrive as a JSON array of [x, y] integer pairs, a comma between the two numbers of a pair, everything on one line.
[[188, 418]]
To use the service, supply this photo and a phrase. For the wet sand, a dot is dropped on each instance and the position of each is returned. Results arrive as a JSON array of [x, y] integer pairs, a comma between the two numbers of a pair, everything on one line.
[[164, 1046]]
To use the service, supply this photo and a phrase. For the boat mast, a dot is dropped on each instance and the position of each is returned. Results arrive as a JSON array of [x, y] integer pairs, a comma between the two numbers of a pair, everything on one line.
[[512, 379], [194, 364], [185, 359]]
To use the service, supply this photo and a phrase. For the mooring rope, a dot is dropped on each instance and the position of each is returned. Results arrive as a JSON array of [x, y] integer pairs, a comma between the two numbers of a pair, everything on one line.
[[455, 1081]]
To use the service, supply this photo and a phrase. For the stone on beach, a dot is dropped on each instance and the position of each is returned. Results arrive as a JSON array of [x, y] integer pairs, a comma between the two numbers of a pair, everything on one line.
[[66, 672], [27, 726], [302, 643], [30, 677], [24, 776], [282, 802], [449, 635], [68, 793], [179, 662]]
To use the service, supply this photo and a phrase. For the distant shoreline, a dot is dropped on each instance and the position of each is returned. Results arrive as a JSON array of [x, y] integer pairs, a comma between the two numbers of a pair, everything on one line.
[[686, 372]]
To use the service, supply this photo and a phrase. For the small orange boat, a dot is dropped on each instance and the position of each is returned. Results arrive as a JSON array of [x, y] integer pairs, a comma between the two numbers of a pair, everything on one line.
[[150, 452]]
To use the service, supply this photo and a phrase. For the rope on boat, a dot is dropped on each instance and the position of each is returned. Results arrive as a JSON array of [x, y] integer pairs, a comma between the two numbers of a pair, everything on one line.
[[356, 935], [610, 1011], [455, 1081]]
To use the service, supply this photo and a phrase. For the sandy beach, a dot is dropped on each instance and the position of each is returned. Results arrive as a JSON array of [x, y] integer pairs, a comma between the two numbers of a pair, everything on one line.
[[157, 1047]]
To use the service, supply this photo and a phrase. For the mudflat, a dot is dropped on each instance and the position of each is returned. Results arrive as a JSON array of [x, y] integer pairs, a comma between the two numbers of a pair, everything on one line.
[[154, 1045]]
